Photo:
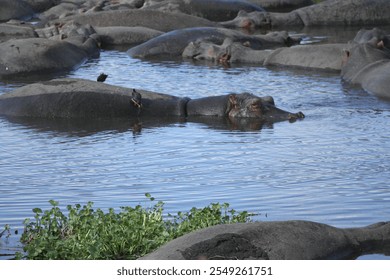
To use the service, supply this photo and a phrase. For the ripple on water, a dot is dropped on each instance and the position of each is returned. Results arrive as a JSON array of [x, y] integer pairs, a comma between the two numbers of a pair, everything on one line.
[[332, 167]]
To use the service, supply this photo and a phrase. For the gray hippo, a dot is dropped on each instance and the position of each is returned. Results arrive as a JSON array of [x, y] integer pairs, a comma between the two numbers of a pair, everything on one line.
[[58, 11], [16, 31], [172, 44], [39, 56], [66, 49], [39, 6], [62, 9], [281, 5], [324, 57], [76, 98], [327, 57], [327, 13], [157, 20], [229, 52], [124, 35], [288, 240], [15, 9], [107, 36], [367, 62], [214, 10]]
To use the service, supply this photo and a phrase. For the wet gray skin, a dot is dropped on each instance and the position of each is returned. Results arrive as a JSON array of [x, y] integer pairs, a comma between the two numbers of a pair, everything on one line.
[[247, 105], [77, 98], [244, 105]]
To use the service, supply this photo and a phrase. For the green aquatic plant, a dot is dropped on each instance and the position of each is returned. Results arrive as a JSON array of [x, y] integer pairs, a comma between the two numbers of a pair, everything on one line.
[[87, 233], [6, 232]]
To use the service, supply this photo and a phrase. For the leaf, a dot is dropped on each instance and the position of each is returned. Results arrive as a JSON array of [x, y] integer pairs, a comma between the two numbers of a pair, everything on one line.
[[37, 210], [53, 202]]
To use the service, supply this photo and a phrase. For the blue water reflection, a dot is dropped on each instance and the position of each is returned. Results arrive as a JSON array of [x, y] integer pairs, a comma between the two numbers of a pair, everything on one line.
[[332, 167]]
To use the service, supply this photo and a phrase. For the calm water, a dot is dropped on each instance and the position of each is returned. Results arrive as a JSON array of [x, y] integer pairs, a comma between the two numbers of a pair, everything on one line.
[[332, 167]]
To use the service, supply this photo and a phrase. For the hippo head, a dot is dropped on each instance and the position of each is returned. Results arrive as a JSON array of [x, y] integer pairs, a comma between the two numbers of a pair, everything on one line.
[[249, 20], [204, 50], [246, 105], [367, 47]]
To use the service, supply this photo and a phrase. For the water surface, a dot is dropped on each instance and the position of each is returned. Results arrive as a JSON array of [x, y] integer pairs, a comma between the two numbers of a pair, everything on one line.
[[332, 167]]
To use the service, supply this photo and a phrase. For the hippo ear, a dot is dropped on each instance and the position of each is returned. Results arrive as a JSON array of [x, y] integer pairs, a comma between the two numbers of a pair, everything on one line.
[[380, 44], [242, 13], [232, 99], [232, 103]]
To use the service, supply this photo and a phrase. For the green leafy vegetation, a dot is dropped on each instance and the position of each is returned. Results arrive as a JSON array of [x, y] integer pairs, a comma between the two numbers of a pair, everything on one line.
[[6, 231], [86, 233]]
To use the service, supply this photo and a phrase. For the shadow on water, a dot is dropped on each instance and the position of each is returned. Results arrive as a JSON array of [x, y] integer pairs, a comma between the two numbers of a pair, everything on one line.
[[87, 127]]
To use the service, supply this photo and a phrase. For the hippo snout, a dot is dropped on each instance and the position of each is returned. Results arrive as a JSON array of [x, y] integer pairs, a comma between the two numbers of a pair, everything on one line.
[[294, 117]]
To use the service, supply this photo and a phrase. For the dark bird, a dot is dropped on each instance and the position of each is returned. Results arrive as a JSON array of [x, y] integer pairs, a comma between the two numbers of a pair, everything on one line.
[[136, 99], [102, 77]]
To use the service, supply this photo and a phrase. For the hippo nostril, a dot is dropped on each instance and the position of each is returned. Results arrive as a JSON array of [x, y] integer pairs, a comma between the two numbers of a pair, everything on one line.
[[294, 117]]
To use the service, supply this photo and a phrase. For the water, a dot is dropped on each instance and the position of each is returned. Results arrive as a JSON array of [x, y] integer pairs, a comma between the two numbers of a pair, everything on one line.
[[332, 167]]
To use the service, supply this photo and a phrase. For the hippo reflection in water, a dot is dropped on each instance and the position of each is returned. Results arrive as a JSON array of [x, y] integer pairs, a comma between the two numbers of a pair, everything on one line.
[[77, 98]]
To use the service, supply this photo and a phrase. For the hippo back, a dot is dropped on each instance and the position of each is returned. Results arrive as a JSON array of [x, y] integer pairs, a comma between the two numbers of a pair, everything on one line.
[[77, 98], [208, 106]]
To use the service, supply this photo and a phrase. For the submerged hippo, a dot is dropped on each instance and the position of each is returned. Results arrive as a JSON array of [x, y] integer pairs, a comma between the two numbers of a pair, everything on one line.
[[15, 31], [326, 57], [15, 9], [367, 62], [326, 13], [289, 240], [172, 44], [157, 20], [214, 10], [57, 50], [76, 98], [41, 56], [226, 53], [282, 5]]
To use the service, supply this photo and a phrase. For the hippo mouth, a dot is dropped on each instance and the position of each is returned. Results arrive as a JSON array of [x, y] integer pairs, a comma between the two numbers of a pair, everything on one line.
[[296, 116]]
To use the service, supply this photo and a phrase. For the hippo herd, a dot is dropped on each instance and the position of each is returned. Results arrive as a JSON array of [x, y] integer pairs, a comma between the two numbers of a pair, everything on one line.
[[39, 37]]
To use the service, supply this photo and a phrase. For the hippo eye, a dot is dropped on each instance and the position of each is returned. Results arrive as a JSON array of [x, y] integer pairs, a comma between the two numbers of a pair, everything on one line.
[[255, 106]]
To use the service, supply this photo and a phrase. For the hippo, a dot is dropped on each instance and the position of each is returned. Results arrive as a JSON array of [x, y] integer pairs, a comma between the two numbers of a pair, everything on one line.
[[236, 106], [281, 5], [107, 37], [284, 240], [327, 13], [227, 53], [125, 36], [366, 62], [77, 98], [15, 9], [66, 49], [172, 44], [61, 9], [157, 20], [39, 56], [324, 57], [16, 31], [39, 6], [327, 57], [214, 10]]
